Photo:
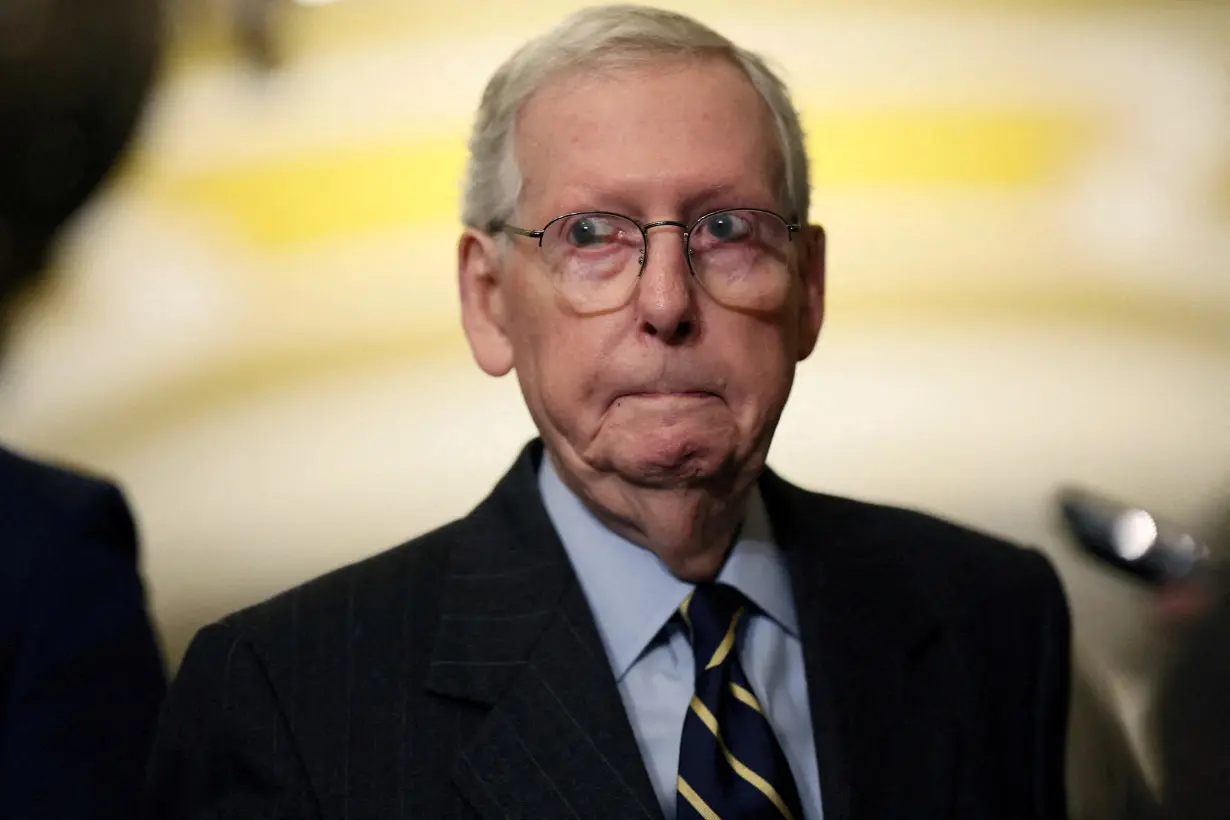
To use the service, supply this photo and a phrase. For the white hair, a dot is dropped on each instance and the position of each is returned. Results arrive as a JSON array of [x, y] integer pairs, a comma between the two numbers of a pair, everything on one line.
[[610, 37]]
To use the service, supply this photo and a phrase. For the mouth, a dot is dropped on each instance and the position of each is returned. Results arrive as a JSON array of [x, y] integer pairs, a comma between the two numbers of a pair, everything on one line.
[[665, 396]]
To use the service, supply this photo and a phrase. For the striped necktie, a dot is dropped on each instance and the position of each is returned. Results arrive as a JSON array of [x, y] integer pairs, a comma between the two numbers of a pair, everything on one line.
[[730, 764]]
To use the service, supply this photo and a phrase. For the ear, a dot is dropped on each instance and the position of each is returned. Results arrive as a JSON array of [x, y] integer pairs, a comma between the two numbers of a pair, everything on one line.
[[811, 311], [484, 301]]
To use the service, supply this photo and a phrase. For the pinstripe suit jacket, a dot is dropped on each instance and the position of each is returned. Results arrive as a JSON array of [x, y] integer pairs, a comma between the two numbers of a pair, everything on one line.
[[461, 676]]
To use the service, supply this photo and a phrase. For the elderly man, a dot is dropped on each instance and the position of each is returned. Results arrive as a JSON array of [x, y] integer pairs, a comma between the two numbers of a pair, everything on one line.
[[640, 620]]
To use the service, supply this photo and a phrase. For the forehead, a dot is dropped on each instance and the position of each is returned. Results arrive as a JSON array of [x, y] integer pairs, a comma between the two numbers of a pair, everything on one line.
[[659, 134]]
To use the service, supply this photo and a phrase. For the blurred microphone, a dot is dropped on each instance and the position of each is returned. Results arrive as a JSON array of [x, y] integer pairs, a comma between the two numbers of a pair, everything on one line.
[[1134, 540]]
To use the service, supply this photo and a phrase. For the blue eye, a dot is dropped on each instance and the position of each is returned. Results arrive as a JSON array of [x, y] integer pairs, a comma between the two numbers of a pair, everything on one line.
[[588, 231], [728, 227]]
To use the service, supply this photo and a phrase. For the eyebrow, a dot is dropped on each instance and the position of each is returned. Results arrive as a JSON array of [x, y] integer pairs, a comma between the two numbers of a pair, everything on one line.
[[721, 195]]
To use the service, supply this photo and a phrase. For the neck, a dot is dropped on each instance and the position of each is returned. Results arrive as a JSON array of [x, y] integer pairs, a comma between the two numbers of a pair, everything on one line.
[[691, 529]]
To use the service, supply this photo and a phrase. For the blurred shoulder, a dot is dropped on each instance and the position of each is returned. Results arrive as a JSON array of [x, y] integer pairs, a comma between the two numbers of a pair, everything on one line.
[[63, 534], [49, 509], [32, 487]]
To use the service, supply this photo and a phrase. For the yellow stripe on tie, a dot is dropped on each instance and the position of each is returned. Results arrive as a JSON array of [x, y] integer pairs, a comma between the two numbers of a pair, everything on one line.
[[683, 609], [746, 696], [698, 803], [765, 787], [719, 654], [706, 717]]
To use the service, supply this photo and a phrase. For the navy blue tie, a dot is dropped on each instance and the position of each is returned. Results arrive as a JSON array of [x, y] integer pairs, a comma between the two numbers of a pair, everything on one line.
[[730, 764]]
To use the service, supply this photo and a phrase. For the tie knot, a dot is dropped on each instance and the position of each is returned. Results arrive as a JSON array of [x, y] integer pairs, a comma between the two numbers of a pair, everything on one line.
[[712, 613]]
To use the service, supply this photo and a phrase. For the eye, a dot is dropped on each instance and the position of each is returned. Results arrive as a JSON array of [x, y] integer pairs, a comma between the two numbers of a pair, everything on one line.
[[590, 231], [728, 227]]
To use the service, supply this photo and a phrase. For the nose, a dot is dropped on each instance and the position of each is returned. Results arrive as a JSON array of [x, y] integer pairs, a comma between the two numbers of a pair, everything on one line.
[[665, 297]]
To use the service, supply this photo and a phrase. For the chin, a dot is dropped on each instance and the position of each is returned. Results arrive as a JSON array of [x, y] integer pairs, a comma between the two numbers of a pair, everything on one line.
[[672, 458]]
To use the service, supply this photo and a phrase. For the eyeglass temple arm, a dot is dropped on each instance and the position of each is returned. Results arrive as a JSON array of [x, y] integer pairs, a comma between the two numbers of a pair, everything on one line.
[[503, 226]]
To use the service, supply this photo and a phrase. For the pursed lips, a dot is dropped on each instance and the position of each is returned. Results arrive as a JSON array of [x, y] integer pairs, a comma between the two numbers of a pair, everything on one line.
[[666, 395]]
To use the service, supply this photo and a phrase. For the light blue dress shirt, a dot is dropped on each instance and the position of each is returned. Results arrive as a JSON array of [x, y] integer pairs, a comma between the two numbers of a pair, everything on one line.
[[633, 596]]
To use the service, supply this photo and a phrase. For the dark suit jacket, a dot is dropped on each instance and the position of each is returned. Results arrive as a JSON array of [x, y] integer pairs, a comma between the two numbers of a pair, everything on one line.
[[81, 679], [461, 676]]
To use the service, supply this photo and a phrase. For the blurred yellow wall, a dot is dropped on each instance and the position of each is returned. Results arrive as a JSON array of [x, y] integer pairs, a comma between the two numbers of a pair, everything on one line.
[[1028, 207]]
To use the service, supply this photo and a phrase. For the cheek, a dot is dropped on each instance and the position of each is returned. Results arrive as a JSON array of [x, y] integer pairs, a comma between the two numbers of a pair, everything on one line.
[[761, 368], [560, 361]]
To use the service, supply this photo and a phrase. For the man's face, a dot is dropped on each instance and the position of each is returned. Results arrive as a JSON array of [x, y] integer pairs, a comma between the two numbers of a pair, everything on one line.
[[669, 388]]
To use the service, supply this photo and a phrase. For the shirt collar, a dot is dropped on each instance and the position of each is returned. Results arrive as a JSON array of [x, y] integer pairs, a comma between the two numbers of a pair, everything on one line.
[[631, 592]]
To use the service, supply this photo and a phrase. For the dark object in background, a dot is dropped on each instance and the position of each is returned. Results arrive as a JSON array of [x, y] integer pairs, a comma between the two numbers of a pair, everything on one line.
[[81, 678], [1193, 720], [1193, 706], [1133, 540], [1191, 710], [1106, 780], [74, 75], [256, 32]]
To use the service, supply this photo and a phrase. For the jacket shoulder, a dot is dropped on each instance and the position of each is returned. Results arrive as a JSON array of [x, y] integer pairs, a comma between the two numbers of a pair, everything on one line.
[[960, 569], [928, 544]]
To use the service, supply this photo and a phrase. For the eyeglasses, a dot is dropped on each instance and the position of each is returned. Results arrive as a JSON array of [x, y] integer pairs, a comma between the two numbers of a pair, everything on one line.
[[741, 256]]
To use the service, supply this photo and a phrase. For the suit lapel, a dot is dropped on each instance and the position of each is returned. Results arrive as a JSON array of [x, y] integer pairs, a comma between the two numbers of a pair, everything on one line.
[[516, 634], [878, 668]]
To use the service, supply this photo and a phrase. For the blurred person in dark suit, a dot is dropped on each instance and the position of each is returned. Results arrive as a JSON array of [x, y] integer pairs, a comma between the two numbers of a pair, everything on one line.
[[1193, 709], [1106, 781], [81, 678], [641, 620]]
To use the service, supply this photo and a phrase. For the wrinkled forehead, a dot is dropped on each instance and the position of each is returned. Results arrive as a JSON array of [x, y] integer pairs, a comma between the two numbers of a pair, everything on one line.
[[651, 138]]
